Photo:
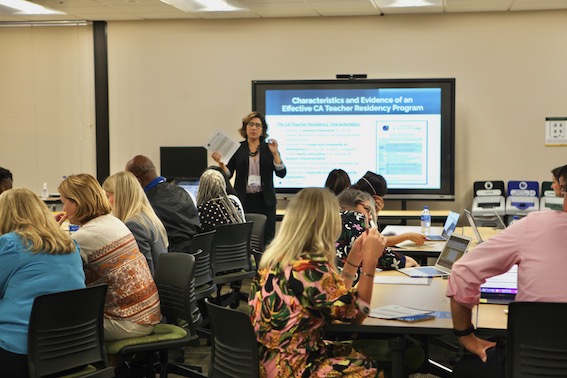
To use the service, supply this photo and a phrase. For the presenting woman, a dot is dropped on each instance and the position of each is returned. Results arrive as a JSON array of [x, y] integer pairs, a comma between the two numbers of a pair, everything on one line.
[[255, 163], [36, 257], [111, 256], [130, 204], [213, 203], [298, 291]]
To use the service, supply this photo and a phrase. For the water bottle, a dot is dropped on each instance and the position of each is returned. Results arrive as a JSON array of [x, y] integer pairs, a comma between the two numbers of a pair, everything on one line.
[[515, 219], [44, 191], [425, 221]]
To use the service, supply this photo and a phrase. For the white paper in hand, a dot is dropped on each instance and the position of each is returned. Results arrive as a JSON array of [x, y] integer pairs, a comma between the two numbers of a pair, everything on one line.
[[223, 144]]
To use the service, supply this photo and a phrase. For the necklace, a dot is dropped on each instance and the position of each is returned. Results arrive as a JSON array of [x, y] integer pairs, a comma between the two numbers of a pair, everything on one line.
[[253, 153]]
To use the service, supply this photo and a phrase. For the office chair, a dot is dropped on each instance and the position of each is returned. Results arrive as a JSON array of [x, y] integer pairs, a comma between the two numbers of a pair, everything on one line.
[[174, 281], [66, 334], [231, 261], [235, 349], [536, 345], [257, 236], [201, 248]]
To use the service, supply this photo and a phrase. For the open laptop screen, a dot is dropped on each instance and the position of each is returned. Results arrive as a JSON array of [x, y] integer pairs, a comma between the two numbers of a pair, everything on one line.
[[190, 185], [505, 284], [454, 249]]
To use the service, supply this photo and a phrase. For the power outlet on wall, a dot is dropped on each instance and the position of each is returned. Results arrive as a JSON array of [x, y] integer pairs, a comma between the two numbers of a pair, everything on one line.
[[556, 131]]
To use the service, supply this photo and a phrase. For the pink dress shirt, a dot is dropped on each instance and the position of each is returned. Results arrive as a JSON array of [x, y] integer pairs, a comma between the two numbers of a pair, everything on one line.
[[537, 243]]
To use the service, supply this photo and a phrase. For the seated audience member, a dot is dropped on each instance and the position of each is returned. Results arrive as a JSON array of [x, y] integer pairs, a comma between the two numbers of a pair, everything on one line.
[[357, 213], [337, 181], [555, 184], [536, 243], [5, 179], [298, 291], [130, 204], [213, 204], [376, 186], [111, 256], [230, 190], [172, 204], [36, 257]]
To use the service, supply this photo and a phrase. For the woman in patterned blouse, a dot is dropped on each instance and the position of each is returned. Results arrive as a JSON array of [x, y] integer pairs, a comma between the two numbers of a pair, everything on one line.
[[298, 291], [213, 203]]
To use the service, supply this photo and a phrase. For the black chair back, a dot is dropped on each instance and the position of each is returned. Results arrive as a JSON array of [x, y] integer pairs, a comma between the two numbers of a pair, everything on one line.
[[231, 250], [66, 331], [201, 247], [235, 349], [257, 236], [536, 344], [176, 288]]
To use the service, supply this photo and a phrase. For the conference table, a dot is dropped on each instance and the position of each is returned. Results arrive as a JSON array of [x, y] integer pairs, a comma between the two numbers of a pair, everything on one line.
[[392, 287], [388, 216]]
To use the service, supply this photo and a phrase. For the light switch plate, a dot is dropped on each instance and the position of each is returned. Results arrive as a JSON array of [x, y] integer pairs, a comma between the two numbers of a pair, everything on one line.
[[556, 131]]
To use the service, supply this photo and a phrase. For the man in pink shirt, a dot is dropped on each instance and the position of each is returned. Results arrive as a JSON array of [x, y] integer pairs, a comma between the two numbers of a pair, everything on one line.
[[537, 244]]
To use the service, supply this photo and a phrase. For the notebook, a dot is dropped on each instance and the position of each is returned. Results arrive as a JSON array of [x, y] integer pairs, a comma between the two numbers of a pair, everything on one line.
[[454, 249], [500, 289], [448, 227], [473, 226]]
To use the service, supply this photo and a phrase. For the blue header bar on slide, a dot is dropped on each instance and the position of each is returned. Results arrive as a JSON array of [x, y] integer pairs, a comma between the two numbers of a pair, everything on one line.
[[354, 101]]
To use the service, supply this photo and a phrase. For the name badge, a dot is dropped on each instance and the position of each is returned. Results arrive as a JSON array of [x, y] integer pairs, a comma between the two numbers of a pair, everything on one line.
[[254, 180]]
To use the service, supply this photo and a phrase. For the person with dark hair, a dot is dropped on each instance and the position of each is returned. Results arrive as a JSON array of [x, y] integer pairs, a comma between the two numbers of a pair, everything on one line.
[[536, 243], [555, 185], [357, 214], [255, 163], [5, 179], [337, 181], [172, 204], [376, 186]]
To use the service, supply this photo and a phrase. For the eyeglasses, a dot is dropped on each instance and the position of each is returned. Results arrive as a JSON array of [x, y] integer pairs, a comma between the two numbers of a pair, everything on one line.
[[255, 124]]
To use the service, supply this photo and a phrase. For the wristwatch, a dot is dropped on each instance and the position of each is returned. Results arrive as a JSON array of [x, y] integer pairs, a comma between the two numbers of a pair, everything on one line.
[[463, 332]]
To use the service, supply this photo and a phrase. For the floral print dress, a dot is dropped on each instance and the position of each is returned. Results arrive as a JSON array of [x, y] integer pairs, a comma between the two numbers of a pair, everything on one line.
[[289, 306]]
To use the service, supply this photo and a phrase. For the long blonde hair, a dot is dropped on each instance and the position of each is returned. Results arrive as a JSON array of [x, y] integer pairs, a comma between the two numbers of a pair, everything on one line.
[[130, 202], [212, 186], [86, 192], [26, 215], [311, 224]]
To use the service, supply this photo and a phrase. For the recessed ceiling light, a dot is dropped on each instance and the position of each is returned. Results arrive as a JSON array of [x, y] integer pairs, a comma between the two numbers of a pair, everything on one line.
[[404, 3], [25, 7], [203, 5]]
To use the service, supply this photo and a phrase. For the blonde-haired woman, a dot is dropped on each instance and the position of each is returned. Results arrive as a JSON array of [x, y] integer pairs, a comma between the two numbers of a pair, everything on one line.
[[213, 203], [130, 204], [298, 291], [36, 257], [111, 256]]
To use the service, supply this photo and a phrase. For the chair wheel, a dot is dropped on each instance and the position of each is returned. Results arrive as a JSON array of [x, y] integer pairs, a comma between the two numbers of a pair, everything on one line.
[[234, 305]]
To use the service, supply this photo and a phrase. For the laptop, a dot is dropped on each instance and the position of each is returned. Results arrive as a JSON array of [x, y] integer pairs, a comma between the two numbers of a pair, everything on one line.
[[502, 224], [473, 226], [448, 228], [191, 186], [454, 249], [501, 289]]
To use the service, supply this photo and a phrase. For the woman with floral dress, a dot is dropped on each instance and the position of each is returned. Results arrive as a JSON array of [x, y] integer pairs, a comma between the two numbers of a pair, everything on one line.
[[298, 291]]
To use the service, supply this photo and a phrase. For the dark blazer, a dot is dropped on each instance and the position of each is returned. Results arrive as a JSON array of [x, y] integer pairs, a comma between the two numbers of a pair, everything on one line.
[[239, 163]]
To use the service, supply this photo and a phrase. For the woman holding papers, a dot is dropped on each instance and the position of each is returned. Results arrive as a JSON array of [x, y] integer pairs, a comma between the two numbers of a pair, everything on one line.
[[255, 163], [298, 291]]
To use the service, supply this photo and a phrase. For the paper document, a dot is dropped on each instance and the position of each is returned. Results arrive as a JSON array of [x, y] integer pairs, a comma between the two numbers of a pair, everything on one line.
[[411, 245], [401, 280], [222, 144], [396, 312]]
